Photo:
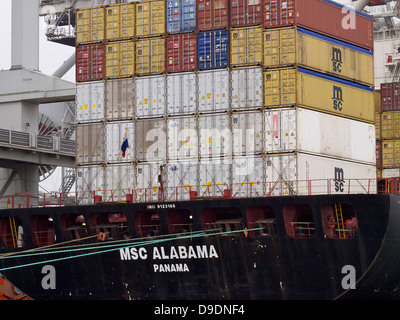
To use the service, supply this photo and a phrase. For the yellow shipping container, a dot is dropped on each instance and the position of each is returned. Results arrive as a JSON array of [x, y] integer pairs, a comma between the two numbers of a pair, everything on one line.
[[246, 46], [390, 125], [377, 100], [378, 126], [150, 18], [317, 91], [150, 56], [90, 25], [120, 59], [120, 21], [390, 153], [297, 46]]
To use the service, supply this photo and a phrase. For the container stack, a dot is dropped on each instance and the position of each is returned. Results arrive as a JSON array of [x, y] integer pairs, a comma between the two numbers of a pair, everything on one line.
[[388, 128], [185, 98]]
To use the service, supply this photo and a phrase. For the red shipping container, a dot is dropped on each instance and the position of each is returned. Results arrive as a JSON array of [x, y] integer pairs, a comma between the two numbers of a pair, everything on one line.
[[181, 52], [322, 16], [246, 12], [212, 14], [90, 62], [390, 96]]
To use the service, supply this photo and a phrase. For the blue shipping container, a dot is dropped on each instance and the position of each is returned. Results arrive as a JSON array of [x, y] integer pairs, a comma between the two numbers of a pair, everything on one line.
[[181, 16], [212, 49]]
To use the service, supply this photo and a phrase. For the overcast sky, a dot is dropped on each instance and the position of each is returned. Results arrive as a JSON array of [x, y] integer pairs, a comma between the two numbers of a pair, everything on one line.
[[52, 55]]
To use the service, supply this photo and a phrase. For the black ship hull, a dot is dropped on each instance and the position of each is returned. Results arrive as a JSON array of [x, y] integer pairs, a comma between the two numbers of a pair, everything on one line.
[[230, 258]]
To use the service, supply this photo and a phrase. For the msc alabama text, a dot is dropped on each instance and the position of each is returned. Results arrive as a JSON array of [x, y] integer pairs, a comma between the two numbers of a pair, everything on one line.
[[200, 310]]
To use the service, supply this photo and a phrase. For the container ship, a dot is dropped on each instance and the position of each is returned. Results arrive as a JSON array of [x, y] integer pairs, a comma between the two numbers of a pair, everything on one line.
[[224, 150]]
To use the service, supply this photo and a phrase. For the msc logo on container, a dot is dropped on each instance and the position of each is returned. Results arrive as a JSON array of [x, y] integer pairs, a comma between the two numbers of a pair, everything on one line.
[[337, 59], [339, 179], [337, 98]]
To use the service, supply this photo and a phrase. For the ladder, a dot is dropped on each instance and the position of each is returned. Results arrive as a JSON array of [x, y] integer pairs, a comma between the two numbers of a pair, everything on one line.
[[14, 234], [339, 219]]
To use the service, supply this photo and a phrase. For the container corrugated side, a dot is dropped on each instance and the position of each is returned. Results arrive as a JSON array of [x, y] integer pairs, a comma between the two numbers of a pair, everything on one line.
[[378, 126], [119, 182], [150, 96], [181, 93], [214, 177], [390, 124], [212, 49], [378, 150], [90, 101], [300, 174], [390, 153], [317, 91], [181, 52], [215, 138], [248, 177], [120, 59], [120, 21], [150, 56], [90, 25], [212, 14], [181, 178], [246, 46], [182, 138], [322, 16], [150, 18], [298, 129], [115, 134], [390, 96], [246, 88], [151, 140], [246, 12], [290, 46], [147, 174], [213, 91], [181, 16], [90, 62], [247, 133], [120, 99], [90, 143], [88, 180]]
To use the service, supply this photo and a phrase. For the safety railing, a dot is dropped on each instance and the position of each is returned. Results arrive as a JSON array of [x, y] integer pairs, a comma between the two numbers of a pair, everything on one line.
[[194, 192]]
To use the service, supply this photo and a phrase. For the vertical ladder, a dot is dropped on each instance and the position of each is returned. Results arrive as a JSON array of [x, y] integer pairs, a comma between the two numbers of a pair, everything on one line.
[[339, 220], [14, 234]]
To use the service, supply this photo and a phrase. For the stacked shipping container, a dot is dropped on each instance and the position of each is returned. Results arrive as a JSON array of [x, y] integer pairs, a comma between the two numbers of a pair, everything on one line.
[[221, 97], [387, 121]]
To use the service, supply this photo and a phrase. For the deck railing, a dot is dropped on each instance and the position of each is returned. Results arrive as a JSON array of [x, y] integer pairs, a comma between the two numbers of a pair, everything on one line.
[[195, 192]]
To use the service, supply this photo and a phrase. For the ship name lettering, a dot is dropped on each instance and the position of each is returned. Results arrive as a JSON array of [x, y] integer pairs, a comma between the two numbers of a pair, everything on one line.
[[133, 253], [198, 252]]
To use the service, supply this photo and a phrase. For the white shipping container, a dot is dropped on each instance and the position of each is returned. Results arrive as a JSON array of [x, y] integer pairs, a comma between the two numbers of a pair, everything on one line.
[[303, 174], [150, 96], [215, 135], [247, 129], [182, 137], [89, 182], [214, 177], [151, 140], [147, 179], [119, 181], [120, 99], [116, 133], [248, 177], [182, 178], [291, 129], [182, 93], [246, 88], [391, 173], [90, 143], [213, 93], [90, 97]]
